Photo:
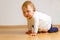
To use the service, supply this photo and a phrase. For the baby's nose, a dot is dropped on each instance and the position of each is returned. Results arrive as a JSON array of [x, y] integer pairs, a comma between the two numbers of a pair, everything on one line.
[[26, 14]]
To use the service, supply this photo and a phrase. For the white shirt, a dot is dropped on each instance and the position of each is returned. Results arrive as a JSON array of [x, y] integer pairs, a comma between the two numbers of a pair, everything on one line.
[[40, 21]]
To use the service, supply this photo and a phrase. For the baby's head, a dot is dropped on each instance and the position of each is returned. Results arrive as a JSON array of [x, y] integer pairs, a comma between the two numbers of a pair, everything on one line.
[[28, 9]]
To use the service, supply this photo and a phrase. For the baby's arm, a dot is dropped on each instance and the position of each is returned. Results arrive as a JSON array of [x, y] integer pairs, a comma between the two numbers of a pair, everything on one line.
[[35, 29], [29, 27]]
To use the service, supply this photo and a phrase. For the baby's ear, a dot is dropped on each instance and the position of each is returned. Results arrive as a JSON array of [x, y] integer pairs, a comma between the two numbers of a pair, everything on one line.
[[33, 26]]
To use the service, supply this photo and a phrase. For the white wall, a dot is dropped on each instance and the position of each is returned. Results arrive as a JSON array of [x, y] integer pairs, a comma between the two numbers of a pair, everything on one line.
[[11, 13]]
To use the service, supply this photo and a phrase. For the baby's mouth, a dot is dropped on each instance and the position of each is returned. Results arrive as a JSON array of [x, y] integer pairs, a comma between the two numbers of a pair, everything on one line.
[[29, 17]]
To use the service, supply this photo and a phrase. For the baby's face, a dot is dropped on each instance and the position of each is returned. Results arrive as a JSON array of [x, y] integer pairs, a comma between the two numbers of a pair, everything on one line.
[[28, 12]]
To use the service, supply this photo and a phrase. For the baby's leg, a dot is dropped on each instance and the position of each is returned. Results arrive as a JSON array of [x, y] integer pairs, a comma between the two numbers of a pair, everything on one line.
[[53, 29], [42, 31]]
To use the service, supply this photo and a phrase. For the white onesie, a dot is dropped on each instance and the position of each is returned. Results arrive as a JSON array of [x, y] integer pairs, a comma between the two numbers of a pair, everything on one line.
[[40, 21]]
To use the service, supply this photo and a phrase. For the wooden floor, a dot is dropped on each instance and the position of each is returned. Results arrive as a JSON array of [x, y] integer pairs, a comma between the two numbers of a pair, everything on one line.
[[19, 34]]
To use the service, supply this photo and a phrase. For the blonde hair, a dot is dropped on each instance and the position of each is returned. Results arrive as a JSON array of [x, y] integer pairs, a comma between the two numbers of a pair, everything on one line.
[[26, 3]]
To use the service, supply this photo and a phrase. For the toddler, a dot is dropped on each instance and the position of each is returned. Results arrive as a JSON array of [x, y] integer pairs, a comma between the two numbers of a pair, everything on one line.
[[40, 22]]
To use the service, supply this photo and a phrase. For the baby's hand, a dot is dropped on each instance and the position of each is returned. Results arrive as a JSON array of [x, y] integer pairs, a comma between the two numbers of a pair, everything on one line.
[[33, 34], [29, 32]]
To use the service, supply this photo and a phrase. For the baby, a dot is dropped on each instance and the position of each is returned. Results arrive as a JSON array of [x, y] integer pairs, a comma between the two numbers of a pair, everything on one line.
[[37, 21]]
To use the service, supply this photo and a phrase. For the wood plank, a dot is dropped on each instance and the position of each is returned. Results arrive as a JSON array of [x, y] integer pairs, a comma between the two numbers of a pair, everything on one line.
[[20, 26]]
